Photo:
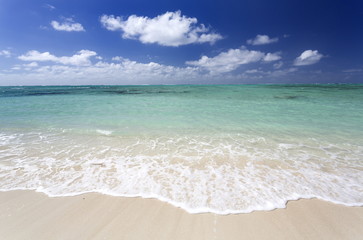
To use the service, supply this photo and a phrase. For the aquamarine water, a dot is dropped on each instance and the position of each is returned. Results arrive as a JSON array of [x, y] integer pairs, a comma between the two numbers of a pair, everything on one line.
[[205, 148]]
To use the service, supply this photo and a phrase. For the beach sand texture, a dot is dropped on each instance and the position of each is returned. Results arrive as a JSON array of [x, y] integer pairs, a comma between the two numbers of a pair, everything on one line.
[[31, 215]]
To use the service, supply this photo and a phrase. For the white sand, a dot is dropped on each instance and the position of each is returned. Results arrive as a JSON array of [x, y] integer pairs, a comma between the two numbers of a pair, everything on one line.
[[30, 215]]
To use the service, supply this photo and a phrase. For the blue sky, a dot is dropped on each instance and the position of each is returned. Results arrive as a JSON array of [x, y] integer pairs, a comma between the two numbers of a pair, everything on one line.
[[63, 42]]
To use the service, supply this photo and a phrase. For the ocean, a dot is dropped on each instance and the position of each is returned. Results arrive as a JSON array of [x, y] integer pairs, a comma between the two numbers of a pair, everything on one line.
[[205, 148]]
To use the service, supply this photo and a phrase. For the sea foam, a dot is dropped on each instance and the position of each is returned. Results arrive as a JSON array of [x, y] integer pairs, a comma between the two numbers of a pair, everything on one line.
[[224, 174], [104, 132]]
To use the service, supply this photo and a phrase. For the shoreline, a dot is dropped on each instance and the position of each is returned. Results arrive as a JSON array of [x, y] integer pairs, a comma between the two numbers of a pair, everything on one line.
[[202, 210], [26, 214]]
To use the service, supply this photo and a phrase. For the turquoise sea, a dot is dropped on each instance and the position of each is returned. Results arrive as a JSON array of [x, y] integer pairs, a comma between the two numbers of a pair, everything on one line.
[[204, 148]]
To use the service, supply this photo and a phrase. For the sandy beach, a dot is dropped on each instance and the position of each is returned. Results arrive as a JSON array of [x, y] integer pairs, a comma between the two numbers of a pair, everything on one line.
[[31, 215]]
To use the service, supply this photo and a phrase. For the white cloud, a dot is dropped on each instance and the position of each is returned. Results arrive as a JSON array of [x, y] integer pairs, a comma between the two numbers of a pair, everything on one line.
[[16, 67], [123, 72], [117, 58], [5, 53], [228, 61], [352, 70], [283, 72], [32, 64], [270, 57], [34, 55], [113, 23], [261, 40], [168, 29], [278, 65], [79, 69], [81, 58], [50, 7], [251, 71], [267, 75], [28, 67], [68, 25], [308, 57]]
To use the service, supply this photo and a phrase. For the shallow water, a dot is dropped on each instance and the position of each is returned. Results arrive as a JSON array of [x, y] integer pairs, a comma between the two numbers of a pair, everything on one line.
[[222, 149]]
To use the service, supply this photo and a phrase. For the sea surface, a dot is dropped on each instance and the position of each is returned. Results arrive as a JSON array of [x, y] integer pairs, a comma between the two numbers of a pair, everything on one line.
[[204, 148]]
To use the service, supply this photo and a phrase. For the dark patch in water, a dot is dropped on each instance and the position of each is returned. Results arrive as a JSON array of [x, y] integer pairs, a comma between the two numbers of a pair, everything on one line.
[[350, 88], [287, 97], [123, 92], [29, 93], [320, 87], [44, 93], [165, 91], [136, 91]]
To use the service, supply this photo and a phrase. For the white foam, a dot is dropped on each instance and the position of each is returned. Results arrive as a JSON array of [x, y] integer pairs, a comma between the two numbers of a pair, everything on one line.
[[219, 174], [104, 132]]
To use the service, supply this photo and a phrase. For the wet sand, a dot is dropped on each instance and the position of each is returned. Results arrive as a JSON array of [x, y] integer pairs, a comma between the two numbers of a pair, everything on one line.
[[31, 215]]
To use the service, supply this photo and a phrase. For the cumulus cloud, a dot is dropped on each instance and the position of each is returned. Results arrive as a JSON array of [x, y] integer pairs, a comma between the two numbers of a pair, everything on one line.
[[124, 71], [5, 53], [270, 57], [308, 57], [228, 61], [68, 70], [168, 29], [117, 58], [28, 66], [68, 25], [81, 58], [261, 40]]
